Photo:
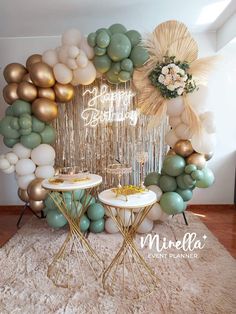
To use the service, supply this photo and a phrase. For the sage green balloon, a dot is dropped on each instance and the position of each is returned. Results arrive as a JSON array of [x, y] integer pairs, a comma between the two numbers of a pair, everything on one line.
[[117, 28], [127, 65], [180, 182], [55, 219], [76, 209], [91, 39], [9, 111], [48, 135], [134, 37], [152, 179], [174, 165], [45, 211], [37, 125], [97, 226], [167, 183], [25, 131], [87, 200], [10, 142], [78, 194], [102, 29], [15, 123], [49, 202], [6, 130], [20, 106], [102, 39], [197, 175], [102, 63], [188, 180], [95, 211], [124, 76], [190, 168], [67, 195], [99, 51], [84, 223], [207, 180], [112, 77], [25, 122], [116, 67], [31, 141], [139, 56], [119, 47], [172, 203], [185, 194]]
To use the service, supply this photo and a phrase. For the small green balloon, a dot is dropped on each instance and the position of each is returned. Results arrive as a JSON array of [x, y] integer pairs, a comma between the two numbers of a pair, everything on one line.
[[97, 226], [10, 142], [197, 175], [152, 179], [15, 123], [84, 223], [99, 51], [31, 141], [78, 194], [87, 200], [75, 209], [67, 195], [180, 182], [48, 135], [49, 202], [25, 122], [95, 211], [6, 130], [119, 47], [102, 39], [25, 131], [37, 125], [117, 28], [185, 194], [172, 203], [116, 67], [174, 165], [20, 106], [139, 56], [92, 39], [102, 63], [188, 180], [9, 111], [112, 77], [102, 29], [55, 219], [127, 65], [124, 76], [167, 183], [207, 180], [45, 211], [190, 168], [134, 37]]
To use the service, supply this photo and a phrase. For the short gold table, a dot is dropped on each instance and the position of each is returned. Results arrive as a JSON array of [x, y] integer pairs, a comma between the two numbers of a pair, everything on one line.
[[128, 275], [76, 262]]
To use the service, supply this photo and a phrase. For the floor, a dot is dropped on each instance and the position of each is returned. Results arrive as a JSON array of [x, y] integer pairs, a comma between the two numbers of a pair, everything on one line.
[[220, 219]]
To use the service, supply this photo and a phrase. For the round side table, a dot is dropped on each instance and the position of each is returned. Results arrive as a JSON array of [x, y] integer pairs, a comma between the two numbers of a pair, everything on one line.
[[128, 274], [76, 262]]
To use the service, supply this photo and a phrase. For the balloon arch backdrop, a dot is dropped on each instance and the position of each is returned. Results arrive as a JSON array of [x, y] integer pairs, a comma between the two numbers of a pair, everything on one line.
[[169, 84]]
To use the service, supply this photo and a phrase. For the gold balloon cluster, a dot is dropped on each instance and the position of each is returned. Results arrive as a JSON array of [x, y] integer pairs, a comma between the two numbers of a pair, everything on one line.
[[36, 83]]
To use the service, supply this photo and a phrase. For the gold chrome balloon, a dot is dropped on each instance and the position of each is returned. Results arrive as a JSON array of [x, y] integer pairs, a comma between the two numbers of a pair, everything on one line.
[[23, 195], [41, 74], [208, 156], [64, 92], [44, 109], [33, 59], [35, 191], [27, 78], [10, 93], [36, 206], [183, 148], [171, 152], [197, 160], [14, 72], [27, 91], [46, 93]]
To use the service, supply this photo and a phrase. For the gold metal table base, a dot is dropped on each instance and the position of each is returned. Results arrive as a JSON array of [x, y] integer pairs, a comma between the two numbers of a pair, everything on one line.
[[128, 275], [76, 262]]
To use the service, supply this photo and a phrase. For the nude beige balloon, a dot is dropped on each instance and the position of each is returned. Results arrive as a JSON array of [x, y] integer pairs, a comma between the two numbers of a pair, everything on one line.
[[42, 75], [35, 58], [35, 190], [10, 93], [64, 92], [27, 91], [45, 109], [183, 148], [27, 78], [46, 93], [14, 72], [36, 206], [197, 160], [23, 195]]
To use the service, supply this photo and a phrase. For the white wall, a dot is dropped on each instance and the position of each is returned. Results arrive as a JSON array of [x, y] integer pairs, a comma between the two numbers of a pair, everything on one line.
[[221, 101]]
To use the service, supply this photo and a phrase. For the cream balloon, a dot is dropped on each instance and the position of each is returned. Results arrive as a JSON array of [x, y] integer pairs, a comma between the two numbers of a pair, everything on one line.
[[50, 57], [184, 117], [9, 170], [12, 158], [62, 73], [113, 210], [198, 98], [21, 151], [146, 226], [71, 37], [208, 121], [85, 76], [86, 48], [175, 106], [45, 172], [25, 167], [156, 190], [71, 63], [155, 212], [183, 131], [110, 226], [82, 60], [164, 216], [171, 138], [43, 155], [73, 52], [204, 142], [24, 181], [4, 164], [62, 53], [174, 121], [126, 216]]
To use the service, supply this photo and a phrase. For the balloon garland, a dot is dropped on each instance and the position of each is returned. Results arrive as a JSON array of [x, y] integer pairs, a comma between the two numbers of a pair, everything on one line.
[[170, 80]]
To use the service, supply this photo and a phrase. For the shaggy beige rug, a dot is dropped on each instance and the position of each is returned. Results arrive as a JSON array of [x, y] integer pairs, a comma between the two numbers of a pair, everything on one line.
[[204, 284]]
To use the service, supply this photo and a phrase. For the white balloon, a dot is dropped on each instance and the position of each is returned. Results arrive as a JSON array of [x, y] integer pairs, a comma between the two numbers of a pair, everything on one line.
[[174, 121], [9, 170], [82, 60], [171, 138], [73, 52], [12, 158], [146, 226], [184, 117], [62, 53], [71, 37], [43, 155], [25, 167], [110, 226], [183, 131], [198, 98], [62, 73], [155, 212], [24, 181], [2, 156], [164, 216], [21, 151], [113, 210], [71, 63], [175, 106], [208, 121], [50, 57], [4, 164], [86, 48], [157, 190], [85, 76], [126, 216], [204, 142], [45, 172]]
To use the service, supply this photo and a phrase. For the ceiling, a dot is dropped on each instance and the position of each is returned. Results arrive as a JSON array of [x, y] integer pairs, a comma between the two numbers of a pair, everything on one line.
[[26, 18]]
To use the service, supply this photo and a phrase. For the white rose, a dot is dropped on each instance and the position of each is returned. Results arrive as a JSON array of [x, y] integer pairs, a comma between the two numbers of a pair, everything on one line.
[[171, 87], [185, 77], [165, 70], [180, 91], [161, 79], [181, 71]]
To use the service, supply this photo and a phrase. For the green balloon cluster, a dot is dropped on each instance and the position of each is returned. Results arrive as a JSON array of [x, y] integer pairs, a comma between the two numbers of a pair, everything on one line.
[[54, 217], [20, 126], [117, 52]]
